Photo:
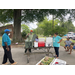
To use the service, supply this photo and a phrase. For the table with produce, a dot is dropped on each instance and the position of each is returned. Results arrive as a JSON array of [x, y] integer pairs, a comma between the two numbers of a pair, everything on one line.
[[51, 61]]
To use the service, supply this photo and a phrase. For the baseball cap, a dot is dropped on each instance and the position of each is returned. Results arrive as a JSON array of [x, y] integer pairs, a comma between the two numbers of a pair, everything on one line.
[[31, 30], [6, 30]]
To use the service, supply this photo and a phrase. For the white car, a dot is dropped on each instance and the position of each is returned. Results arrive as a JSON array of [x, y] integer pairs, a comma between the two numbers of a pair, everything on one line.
[[70, 35], [73, 37]]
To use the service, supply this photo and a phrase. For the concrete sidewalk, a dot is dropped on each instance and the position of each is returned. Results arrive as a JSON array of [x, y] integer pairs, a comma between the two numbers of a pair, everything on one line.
[[18, 56]]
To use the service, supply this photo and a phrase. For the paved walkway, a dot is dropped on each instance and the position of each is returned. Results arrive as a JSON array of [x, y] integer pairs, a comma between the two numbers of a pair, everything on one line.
[[18, 56]]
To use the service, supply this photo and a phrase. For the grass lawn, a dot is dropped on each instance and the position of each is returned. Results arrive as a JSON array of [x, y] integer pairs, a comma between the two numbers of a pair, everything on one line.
[[0, 38], [42, 37], [62, 43]]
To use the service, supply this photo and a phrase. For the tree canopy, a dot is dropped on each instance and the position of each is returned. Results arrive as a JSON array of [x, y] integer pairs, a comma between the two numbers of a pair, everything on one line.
[[7, 15], [30, 15], [68, 24], [25, 28], [46, 26]]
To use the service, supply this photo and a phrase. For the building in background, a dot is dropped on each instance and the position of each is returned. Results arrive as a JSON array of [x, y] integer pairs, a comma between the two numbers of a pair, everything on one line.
[[10, 27]]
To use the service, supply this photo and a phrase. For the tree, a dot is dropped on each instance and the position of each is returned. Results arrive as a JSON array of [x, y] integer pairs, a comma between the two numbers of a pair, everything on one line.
[[60, 30], [38, 30], [25, 28], [17, 25], [68, 24], [49, 30], [24, 34], [46, 26], [27, 15]]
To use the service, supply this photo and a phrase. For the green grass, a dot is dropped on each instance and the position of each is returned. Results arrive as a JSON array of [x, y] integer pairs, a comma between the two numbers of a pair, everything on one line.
[[42, 37], [0, 38], [62, 43], [73, 41]]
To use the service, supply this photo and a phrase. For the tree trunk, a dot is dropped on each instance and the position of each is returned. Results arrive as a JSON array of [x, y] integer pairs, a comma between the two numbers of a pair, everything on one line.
[[53, 22], [17, 25]]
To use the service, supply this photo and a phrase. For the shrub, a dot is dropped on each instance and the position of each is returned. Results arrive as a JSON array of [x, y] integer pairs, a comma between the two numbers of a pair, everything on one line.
[[2, 32], [24, 34]]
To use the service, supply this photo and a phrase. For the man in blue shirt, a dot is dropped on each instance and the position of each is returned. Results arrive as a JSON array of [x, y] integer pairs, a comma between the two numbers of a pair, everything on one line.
[[56, 44], [6, 43]]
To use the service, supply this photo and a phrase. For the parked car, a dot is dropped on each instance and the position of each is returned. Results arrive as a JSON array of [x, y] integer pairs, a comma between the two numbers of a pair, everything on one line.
[[70, 35], [73, 37]]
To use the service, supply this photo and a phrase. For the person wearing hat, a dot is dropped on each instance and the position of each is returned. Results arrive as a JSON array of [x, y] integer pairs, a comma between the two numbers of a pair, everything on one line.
[[29, 36], [6, 44]]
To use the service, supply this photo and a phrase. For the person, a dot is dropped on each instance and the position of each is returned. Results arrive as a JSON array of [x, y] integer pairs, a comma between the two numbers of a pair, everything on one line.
[[36, 40], [72, 47], [56, 44], [6, 44], [30, 36], [67, 44]]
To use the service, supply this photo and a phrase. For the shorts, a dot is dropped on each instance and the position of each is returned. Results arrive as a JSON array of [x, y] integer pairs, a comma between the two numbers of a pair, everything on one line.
[[73, 47], [67, 45]]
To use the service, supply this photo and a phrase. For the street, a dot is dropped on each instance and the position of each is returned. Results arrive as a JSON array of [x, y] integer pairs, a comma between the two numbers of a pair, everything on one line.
[[18, 56]]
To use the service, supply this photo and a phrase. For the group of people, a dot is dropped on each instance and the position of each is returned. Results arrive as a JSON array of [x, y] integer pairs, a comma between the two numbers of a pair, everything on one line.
[[68, 44], [6, 43], [56, 44]]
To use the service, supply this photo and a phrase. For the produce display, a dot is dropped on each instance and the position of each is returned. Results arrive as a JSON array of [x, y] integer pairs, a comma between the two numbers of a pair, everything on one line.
[[46, 61], [59, 62]]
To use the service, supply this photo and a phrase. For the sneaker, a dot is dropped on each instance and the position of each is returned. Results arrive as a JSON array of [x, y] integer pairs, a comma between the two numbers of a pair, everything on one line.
[[5, 63], [14, 63]]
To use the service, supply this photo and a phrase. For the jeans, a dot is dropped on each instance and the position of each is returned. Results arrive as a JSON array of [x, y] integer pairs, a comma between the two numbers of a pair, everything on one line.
[[26, 50], [7, 54], [57, 51]]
